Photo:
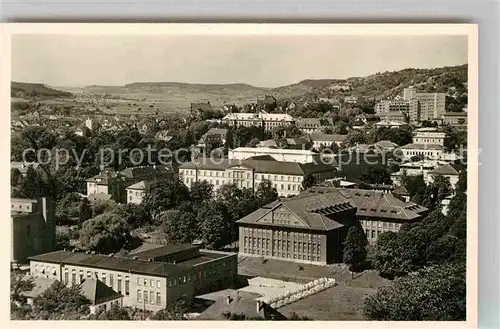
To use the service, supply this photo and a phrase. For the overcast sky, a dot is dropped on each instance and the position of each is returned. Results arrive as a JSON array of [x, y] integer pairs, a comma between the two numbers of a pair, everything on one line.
[[265, 61]]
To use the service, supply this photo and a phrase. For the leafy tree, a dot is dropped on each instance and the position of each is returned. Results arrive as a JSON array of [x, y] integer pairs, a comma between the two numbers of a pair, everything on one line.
[[62, 240], [115, 313], [254, 142], [376, 175], [435, 294], [355, 248], [60, 302], [18, 285], [175, 311], [34, 185], [15, 177], [200, 191], [106, 233], [437, 191], [355, 137], [265, 193], [85, 210], [462, 181], [100, 207], [215, 224], [308, 181], [415, 185], [179, 226], [68, 208], [163, 195], [340, 128], [135, 215]]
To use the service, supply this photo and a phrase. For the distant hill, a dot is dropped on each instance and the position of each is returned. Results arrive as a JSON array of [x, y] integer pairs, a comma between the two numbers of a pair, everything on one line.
[[35, 90], [377, 86]]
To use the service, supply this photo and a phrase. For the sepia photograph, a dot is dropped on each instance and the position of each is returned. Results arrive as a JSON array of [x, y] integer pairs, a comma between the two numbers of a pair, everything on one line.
[[243, 172]]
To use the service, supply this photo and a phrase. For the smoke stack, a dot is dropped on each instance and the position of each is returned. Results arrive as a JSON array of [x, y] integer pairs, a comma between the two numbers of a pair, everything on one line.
[[258, 306], [228, 299]]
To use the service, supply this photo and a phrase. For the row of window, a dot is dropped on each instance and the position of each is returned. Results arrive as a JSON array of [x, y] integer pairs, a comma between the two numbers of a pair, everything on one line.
[[301, 247], [282, 255], [240, 174], [373, 234], [280, 234], [380, 224], [151, 297], [131, 193], [421, 152], [149, 282], [103, 278]]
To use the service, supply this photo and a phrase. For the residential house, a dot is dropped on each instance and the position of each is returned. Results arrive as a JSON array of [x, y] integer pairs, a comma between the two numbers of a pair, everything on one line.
[[136, 192], [319, 140], [308, 125]]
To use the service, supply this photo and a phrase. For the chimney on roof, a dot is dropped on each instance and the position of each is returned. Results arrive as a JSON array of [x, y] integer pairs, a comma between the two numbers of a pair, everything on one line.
[[228, 299], [258, 306], [135, 257], [150, 260]]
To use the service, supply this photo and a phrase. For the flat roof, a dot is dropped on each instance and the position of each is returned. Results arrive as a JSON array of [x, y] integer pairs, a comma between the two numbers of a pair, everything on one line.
[[166, 250], [109, 262]]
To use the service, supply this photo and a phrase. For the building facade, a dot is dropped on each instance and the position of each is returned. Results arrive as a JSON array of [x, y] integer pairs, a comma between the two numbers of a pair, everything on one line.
[[424, 106], [286, 155], [33, 227], [319, 140], [267, 121], [429, 137], [308, 125], [144, 281], [286, 177], [136, 192], [311, 227]]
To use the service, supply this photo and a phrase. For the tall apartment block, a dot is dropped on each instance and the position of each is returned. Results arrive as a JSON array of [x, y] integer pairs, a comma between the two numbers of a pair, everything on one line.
[[424, 106]]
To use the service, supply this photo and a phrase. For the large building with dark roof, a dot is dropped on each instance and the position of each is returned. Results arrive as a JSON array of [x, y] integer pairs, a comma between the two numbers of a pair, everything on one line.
[[312, 226], [150, 279], [286, 177]]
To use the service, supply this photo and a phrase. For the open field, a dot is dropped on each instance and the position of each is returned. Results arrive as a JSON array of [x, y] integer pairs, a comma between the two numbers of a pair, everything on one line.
[[342, 302]]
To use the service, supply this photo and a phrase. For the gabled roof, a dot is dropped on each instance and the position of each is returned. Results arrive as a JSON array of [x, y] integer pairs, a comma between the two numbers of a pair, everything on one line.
[[371, 203], [445, 169], [41, 284], [259, 166], [312, 210], [98, 292], [142, 185]]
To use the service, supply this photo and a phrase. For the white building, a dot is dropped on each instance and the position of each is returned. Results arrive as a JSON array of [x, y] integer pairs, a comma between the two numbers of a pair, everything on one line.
[[447, 171], [286, 155], [391, 124], [268, 121], [286, 177], [320, 139], [308, 125], [428, 151], [136, 192], [429, 137], [424, 168]]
